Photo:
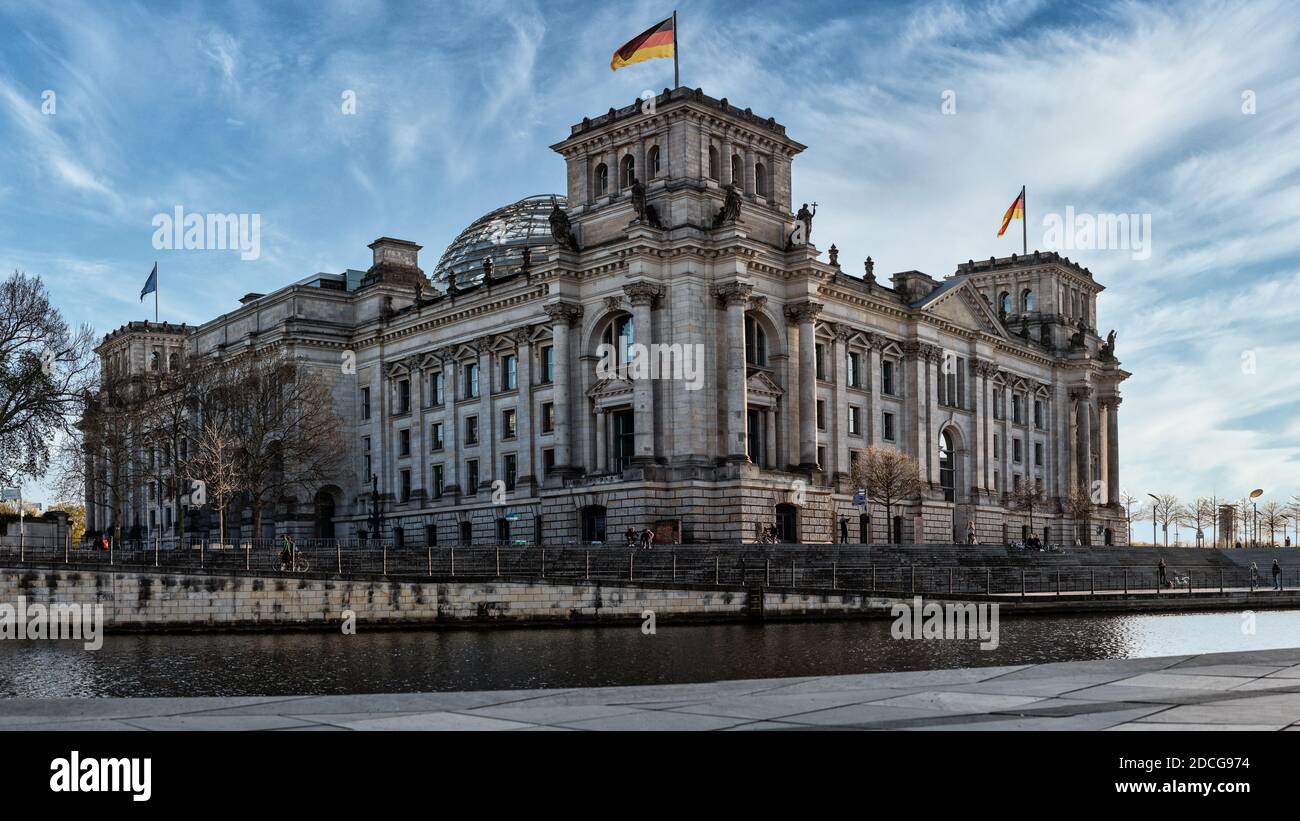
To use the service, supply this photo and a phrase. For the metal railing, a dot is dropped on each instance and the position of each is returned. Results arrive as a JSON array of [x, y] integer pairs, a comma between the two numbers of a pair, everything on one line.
[[796, 567]]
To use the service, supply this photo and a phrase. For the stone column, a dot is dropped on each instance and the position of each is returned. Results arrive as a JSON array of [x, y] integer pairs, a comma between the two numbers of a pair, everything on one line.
[[1112, 450], [487, 438], [933, 360], [524, 407], [724, 162], [734, 297], [642, 295], [1083, 442], [450, 426], [979, 382], [563, 315], [840, 424], [769, 439], [750, 186], [602, 463], [803, 314], [875, 346]]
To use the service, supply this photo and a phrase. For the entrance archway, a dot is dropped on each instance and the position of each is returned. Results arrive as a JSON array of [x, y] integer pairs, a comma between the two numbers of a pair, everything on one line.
[[787, 523], [324, 514]]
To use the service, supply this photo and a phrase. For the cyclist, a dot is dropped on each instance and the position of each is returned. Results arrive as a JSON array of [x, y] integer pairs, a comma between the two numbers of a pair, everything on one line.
[[287, 554]]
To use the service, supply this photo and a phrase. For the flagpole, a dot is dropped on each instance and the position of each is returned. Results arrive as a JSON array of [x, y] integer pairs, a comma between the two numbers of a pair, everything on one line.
[[155, 295], [677, 74], [1024, 221]]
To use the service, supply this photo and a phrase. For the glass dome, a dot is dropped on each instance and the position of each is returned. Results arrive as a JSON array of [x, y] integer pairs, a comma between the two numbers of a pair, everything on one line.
[[502, 235]]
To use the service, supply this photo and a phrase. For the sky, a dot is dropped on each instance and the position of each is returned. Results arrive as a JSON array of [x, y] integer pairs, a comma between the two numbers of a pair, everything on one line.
[[922, 121]]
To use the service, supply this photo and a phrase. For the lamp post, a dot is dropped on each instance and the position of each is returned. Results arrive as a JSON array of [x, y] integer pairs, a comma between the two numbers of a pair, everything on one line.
[[375, 521], [1255, 494], [1154, 506]]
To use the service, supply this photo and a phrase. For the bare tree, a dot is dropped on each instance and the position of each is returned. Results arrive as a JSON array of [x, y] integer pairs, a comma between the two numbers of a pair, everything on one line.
[[1273, 517], [888, 476], [1027, 497], [45, 367], [1128, 500], [1165, 510], [1198, 514], [1078, 505], [290, 438], [108, 428], [215, 458]]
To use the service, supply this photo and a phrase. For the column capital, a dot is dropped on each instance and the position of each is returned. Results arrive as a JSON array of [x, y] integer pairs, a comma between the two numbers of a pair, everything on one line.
[[563, 313], [843, 331], [643, 293], [803, 312], [733, 293], [1082, 392], [484, 343], [522, 336], [1110, 401]]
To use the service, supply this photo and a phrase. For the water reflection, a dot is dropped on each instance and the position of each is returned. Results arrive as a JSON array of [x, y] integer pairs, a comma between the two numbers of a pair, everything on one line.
[[246, 664]]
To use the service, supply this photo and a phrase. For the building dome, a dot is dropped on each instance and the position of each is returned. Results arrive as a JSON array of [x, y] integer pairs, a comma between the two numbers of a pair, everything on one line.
[[502, 235]]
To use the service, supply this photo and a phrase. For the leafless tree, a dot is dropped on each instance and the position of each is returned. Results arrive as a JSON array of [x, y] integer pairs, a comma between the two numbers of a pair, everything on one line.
[[45, 367], [1027, 497], [1198, 514], [1078, 505], [215, 458], [1167, 510], [888, 476], [290, 438], [1272, 516]]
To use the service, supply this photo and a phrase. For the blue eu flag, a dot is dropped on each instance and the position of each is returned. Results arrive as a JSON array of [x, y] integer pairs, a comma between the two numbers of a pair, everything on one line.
[[151, 284]]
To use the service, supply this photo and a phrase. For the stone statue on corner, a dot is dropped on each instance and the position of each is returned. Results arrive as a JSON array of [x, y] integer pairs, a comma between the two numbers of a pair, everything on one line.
[[561, 232]]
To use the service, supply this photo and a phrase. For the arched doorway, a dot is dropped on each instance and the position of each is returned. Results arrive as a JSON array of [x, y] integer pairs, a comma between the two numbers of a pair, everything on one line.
[[1108, 537], [324, 515], [787, 523], [948, 467]]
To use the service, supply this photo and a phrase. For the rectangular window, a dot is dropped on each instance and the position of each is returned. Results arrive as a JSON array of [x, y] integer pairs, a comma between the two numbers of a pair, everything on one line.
[[997, 446], [1015, 482], [435, 388], [404, 442], [548, 461], [431, 535], [854, 414], [548, 364], [855, 368], [471, 381], [548, 417], [399, 537], [471, 430], [511, 470], [1016, 414], [471, 476], [887, 377], [999, 401], [820, 356], [821, 456], [821, 414], [1038, 454], [405, 477], [1015, 450], [509, 372], [365, 403], [508, 424], [435, 436], [1038, 414], [887, 426], [435, 488], [404, 396], [365, 448]]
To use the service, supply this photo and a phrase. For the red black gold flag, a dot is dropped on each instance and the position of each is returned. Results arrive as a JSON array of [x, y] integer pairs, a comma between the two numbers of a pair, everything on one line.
[[657, 41], [1016, 211]]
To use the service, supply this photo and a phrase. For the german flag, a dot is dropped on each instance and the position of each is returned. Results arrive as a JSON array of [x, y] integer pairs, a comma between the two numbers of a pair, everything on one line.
[[1016, 211], [657, 41]]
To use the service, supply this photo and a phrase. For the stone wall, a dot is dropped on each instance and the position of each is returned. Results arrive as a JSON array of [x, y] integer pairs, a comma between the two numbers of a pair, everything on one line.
[[143, 600]]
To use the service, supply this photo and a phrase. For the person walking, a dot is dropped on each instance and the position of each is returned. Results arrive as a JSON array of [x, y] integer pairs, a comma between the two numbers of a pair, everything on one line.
[[1277, 575], [1254, 575], [1163, 568]]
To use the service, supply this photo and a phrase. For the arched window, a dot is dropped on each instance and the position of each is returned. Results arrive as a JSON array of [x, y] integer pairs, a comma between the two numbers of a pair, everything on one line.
[[652, 162], [755, 343], [737, 171], [713, 163], [760, 179], [627, 171], [1027, 301], [1004, 303], [324, 528], [173, 362], [153, 360], [602, 180], [947, 468], [619, 336]]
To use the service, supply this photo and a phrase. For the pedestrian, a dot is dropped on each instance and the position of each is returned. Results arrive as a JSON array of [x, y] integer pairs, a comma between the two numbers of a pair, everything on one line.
[[1254, 575], [647, 539], [1277, 575], [103, 542], [1163, 568], [631, 537], [844, 530]]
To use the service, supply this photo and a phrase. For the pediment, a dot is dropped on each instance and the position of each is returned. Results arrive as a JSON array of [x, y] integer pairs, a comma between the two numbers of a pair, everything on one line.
[[605, 388], [963, 306], [761, 384]]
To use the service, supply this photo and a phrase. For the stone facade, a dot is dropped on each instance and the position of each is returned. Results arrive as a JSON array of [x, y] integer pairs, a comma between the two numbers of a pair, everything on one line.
[[678, 233]]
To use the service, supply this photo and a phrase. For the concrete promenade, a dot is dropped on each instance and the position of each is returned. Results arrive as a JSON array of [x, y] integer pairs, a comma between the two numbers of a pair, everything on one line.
[[1257, 690]]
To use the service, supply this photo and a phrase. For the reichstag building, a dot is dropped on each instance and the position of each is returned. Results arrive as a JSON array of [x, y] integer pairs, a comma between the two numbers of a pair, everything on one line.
[[489, 401]]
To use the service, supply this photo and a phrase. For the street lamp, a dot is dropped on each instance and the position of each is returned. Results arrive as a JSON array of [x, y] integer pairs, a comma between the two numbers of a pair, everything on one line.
[[1255, 494], [1153, 517]]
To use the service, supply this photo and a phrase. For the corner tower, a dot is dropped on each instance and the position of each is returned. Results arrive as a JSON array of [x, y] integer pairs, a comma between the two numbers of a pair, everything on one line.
[[686, 149]]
